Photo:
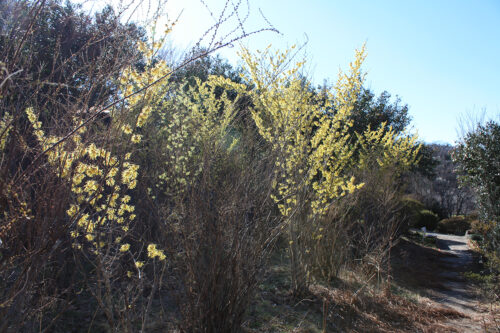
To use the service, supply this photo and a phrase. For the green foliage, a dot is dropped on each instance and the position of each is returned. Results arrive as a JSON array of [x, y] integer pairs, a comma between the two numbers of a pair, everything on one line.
[[203, 67], [374, 112], [427, 162], [416, 215], [426, 218], [489, 283], [476, 237], [410, 211], [456, 225], [420, 238]]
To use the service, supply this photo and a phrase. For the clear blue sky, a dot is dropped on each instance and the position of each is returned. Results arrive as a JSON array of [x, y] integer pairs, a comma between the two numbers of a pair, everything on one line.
[[441, 57]]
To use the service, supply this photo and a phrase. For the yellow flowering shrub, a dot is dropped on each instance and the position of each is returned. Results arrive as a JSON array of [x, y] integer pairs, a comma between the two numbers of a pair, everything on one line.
[[175, 148], [311, 145], [71, 177], [314, 151], [195, 123], [101, 177], [98, 180]]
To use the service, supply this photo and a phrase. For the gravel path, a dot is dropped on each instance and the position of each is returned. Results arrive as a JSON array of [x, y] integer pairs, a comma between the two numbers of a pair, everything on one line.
[[457, 294]]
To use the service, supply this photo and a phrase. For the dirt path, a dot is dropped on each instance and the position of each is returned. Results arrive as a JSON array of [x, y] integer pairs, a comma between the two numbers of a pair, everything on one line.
[[456, 292]]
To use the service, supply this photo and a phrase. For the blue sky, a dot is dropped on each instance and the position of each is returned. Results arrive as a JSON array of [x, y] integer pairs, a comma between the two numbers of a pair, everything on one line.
[[440, 57]]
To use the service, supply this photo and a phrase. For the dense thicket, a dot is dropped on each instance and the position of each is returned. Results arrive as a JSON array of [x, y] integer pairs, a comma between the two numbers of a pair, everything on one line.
[[136, 199]]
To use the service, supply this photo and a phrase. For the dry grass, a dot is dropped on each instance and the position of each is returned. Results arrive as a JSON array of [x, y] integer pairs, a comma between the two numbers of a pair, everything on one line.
[[372, 311], [354, 304]]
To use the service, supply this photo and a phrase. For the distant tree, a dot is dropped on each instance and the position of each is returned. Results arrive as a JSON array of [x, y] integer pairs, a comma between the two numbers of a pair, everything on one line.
[[205, 66], [370, 110], [60, 54], [435, 183], [427, 161], [373, 111]]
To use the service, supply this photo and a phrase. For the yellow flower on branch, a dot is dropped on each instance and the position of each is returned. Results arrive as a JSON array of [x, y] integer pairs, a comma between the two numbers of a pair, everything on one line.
[[153, 252], [136, 138]]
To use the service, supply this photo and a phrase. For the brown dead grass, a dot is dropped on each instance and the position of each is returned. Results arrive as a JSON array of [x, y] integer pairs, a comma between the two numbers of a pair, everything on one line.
[[355, 305], [382, 312], [342, 310]]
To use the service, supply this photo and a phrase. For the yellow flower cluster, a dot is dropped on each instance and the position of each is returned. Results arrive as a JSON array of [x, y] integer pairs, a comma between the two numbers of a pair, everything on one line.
[[5, 125], [129, 174], [144, 115], [37, 125], [93, 173], [392, 149], [153, 252]]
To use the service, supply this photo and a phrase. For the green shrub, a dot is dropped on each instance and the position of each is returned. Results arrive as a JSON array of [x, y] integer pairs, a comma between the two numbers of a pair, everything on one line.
[[426, 218], [410, 212], [456, 225], [416, 215]]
